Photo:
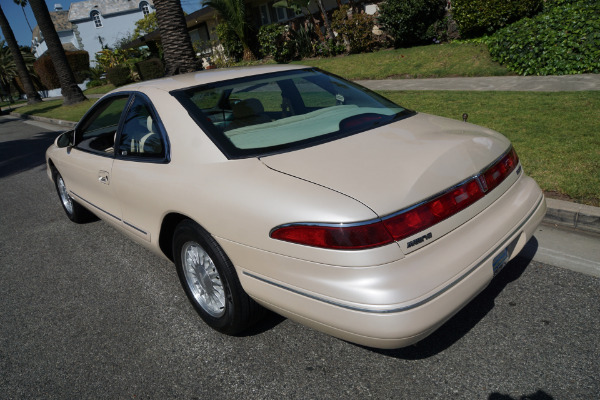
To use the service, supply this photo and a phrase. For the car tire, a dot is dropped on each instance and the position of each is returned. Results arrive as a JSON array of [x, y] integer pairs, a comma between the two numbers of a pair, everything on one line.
[[211, 282], [75, 211]]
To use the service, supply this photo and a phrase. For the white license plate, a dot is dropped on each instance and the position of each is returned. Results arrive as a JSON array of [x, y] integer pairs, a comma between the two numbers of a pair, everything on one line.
[[500, 261]]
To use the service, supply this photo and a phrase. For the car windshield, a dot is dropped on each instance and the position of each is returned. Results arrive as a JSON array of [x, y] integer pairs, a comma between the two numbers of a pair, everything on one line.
[[271, 113]]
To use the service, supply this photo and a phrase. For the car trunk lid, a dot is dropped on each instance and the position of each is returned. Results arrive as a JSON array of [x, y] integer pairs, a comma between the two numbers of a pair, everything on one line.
[[397, 165]]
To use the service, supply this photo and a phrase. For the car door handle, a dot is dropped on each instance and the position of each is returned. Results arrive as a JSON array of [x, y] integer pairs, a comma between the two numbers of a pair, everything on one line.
[[103, 177]]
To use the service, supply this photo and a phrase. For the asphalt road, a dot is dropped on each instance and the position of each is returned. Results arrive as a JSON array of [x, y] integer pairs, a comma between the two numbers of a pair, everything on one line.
[[85, 313]]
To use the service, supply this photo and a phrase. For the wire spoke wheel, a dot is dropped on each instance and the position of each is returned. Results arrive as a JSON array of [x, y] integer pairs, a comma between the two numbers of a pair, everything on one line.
[[64, 195], [210, 280], [203, 279]]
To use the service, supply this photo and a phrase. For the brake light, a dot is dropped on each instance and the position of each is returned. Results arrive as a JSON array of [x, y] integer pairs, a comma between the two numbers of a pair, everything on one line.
[[404, 223], [335, 236]]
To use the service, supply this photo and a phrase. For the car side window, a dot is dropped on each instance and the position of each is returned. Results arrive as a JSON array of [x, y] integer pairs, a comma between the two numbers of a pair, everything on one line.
[[140, 136], [98, 131]]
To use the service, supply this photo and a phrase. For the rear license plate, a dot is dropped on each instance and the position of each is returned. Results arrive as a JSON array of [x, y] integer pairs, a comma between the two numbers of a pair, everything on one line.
[[500, 261]]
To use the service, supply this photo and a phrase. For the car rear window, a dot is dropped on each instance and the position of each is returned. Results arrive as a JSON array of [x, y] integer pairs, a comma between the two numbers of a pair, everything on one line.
[[284, 111]]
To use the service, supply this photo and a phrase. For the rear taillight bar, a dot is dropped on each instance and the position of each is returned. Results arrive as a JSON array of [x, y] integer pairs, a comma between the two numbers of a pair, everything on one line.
[[406, 222]]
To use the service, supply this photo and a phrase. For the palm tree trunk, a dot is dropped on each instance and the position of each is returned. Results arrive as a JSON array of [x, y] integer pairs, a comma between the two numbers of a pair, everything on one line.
[[330, 34], [32, 94], [71, 92], [177, 45]]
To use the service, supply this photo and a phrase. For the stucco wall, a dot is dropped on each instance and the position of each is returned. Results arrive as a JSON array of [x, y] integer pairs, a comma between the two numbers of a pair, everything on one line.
[[114, 27]]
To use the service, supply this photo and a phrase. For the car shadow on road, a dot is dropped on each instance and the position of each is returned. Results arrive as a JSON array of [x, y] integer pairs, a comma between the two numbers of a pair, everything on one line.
[[24, 154], [467, 318], [539, 395]]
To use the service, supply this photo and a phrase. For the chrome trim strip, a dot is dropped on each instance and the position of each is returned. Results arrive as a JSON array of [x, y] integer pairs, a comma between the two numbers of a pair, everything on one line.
[[406, 209], [107, 213], [95, 206], [134, 227], [419, 303]]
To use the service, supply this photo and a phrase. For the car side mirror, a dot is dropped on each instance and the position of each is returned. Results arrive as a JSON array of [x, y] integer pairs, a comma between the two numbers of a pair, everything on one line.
[[66, 139]]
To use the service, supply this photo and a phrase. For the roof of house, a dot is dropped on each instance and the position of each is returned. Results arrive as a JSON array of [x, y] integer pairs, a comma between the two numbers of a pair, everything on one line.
[[82, 9], [61, 22]]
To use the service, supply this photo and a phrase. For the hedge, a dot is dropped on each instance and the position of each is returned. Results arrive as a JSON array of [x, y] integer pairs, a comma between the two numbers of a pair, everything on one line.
[[119, 75], [480, 17], [563, 40], [150, 69], [79, 61]]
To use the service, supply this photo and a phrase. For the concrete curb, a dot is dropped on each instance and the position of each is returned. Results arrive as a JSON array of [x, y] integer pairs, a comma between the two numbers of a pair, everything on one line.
[[559, 212], [60, 122], [573, 215]]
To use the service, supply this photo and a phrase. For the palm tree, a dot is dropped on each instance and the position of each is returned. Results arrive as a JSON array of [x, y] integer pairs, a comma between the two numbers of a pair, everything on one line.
[[7, 71], [177, 46], [233, 12], [70, 90], [32, 94], [23, 3]]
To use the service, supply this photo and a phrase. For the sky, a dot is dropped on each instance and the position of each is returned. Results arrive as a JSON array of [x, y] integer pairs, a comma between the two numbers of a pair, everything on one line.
[[17, 21]]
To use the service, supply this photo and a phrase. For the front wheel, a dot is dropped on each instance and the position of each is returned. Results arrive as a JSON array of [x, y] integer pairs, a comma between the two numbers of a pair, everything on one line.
[[75, 211], [210, 281]]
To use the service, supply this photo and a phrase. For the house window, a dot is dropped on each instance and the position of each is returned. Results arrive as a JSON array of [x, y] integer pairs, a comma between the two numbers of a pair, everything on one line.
[[96, 17], [281, 13], [145, 8], [264, 15]]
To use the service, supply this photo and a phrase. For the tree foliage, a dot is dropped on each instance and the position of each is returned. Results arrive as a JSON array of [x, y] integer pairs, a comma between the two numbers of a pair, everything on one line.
[[145, 25], [233, 14], [20, 66]]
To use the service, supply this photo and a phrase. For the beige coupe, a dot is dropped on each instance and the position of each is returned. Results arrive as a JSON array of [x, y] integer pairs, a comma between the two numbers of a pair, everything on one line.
[[291, 189]]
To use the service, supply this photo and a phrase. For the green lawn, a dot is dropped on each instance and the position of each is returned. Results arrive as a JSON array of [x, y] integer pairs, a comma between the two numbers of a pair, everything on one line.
[[557, 135], [55, 109], [100, 89], [433, 61]]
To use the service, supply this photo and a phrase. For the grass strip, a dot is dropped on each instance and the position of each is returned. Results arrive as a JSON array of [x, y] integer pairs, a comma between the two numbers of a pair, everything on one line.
[[100, 89], [433, 61], [557, 135], [55, 109]]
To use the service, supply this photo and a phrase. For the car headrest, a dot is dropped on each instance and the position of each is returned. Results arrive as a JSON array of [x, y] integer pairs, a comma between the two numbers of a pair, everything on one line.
[[247, 108]]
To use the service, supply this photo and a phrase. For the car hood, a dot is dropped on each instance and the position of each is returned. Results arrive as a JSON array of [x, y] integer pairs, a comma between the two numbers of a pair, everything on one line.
[[397, 165]]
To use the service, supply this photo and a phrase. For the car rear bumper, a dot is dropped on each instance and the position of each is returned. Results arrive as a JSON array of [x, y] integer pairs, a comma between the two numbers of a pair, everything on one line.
[[394, 305]]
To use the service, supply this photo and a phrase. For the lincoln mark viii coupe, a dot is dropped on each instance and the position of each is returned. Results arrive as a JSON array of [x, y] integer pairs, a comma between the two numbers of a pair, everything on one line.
[[287, 188]]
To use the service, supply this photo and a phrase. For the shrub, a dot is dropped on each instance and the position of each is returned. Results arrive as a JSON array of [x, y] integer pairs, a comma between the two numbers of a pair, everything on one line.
[[94, 83], [305, 40], [118, 75], [408, 21], [150, 69], [565, 39], [278, 42], [78, 60], [80, 64], [231, 43], [357, 28], [479, 17]]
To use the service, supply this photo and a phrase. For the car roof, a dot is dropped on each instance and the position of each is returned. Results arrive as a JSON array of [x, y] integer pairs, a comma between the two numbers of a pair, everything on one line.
[[204, 77]]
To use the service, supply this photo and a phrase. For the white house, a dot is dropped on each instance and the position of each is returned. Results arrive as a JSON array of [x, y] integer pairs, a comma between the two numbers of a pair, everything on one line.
[[91, 24]]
